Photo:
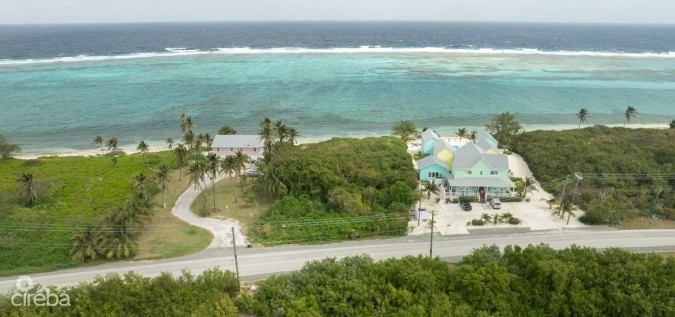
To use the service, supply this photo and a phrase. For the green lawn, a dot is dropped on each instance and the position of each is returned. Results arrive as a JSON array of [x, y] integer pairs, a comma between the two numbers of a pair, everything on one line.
[[227, 206], [72, 191]]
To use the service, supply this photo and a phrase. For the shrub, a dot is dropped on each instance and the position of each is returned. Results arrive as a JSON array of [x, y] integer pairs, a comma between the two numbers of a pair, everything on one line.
[[514, 221], [448, 200], [508, 152], [467, 199], [477, 222]]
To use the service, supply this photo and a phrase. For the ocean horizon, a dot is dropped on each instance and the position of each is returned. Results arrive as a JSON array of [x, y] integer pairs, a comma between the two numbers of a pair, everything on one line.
[[61, 85]]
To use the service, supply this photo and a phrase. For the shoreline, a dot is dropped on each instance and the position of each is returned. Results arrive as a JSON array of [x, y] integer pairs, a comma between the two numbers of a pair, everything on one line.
[[158, 146]]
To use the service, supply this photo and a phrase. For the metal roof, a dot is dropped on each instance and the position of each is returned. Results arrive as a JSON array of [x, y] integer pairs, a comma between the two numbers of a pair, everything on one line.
[[431, 160], [480, 182], [428, 134], [237, 141]]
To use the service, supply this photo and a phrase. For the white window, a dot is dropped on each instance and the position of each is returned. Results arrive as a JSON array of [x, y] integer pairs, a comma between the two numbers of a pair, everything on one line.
[[434, 174], [468, 172], [494, 173]]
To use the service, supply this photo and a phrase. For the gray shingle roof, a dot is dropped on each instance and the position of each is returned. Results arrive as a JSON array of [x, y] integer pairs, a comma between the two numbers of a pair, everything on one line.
[[467, 156], [483, 144], [497, 161], [440, 144], [428, 135], [430, 160], [237, 141]]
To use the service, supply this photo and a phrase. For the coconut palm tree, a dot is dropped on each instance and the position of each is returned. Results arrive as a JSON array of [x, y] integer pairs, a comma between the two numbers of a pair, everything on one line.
[[430, 187], [196, 170], [528, 186], [118, 242], [265, 133], [181, 159], [630, 112], [462, 133], [163, 178], [98, 140], [27, 188], [272, 186], [186, 123], [169, 141], [208, 139], [112, 144], [228, 166], [292, 135], [213, 161], [280, 131], [140, 183], [226, 129], [240, 160], [472, 135], [189, 139], [486, 218], [144, 148], [85, 244], [551, 202], [582, 115]]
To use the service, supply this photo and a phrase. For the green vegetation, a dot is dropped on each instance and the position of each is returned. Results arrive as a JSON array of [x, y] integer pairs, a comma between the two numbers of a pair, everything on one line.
[[208, 294], [38, 217], [515, 281], [335, 190], [504, 127], [582, 115], [534, 281], [405, 130], [7, 149], [243, 203], [627, 173]]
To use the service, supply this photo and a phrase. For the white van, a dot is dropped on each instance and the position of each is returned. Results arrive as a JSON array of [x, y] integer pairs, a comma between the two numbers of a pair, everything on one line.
[[495, 203]]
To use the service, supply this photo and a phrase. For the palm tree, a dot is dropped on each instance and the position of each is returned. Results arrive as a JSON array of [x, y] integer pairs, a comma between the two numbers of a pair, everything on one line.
[[27, 189], [528, 186], [280, 131], [265, 133], [228, 166], [292, 135], [273, 187], [551, 202], [140, 183], [196, 170], [119, 242], [144, 148], [461, 133], [112, 144], [84, 244], [582, 115], [208, 139], [240, 160], [186, 123], [189, 139], [169, 141], [98, 140], [163, 178], [565, 207], [225, 129], [430, 187], [181, 159], [486, 218], [472, 135], [630, 112], [213, 164]]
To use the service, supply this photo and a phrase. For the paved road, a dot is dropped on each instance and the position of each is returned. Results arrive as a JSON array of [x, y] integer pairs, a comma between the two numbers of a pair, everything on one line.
[[259, 262]]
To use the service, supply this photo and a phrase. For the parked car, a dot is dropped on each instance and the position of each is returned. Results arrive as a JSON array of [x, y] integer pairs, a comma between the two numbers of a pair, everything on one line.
[[466, 206], [496, 203]]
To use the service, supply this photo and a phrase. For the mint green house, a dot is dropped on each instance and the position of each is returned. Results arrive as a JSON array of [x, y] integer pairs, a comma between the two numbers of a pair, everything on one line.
[[432, 168], [478, 173], [428, 139]]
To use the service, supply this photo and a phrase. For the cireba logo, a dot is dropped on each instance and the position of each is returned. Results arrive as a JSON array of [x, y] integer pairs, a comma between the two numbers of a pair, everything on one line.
[[42, 296]]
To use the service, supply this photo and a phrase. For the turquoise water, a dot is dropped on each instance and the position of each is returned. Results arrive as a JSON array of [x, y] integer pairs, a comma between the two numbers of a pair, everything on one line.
[[59, 106]]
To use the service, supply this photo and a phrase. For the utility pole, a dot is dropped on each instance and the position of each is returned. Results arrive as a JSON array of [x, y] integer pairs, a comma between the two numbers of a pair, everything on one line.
[[431, 242], [236, 262], [574, 200], [562, 196]]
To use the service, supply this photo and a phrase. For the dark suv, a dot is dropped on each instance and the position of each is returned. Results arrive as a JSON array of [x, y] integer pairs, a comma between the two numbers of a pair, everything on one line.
[[465, 205]]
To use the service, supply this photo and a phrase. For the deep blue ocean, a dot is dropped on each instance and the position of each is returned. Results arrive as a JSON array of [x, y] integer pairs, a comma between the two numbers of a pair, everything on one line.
[[60, 85]]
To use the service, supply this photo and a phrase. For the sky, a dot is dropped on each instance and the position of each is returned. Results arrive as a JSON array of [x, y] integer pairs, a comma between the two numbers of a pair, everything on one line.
[[107, 11]]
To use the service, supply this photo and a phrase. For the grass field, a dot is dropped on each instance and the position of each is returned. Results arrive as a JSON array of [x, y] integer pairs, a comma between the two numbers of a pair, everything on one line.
[[167, 236], [227, 207], [75, 191]]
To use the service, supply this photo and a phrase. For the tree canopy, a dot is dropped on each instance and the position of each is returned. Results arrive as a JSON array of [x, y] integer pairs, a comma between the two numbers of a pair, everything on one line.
[[328, 184], [625, 171], [504, 127], [406, 130], [7, 149]]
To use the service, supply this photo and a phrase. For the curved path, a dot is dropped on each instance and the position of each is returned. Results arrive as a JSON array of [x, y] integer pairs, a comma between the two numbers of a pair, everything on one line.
[[220, 229]]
